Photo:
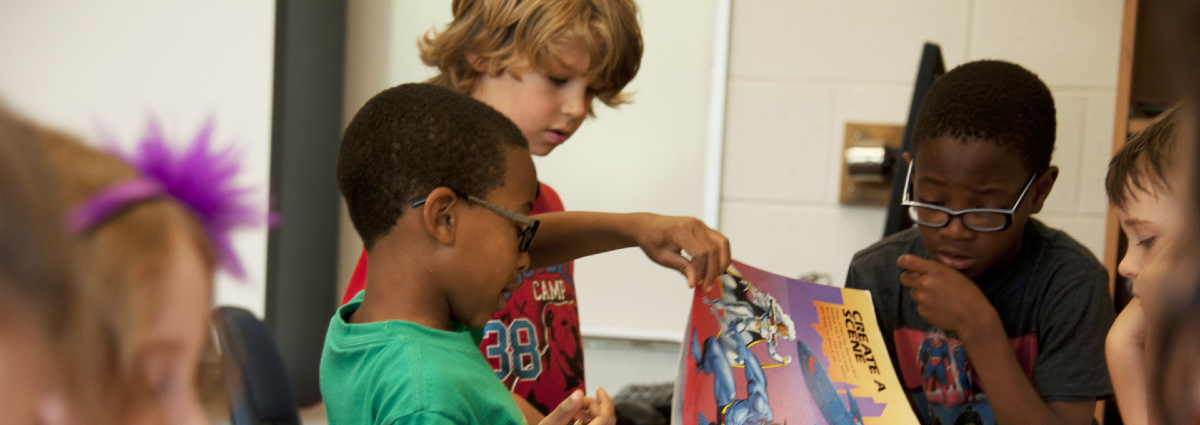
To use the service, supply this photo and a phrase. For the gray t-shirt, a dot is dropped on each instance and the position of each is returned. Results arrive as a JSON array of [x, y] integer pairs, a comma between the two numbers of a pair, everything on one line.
[[1053, 302]]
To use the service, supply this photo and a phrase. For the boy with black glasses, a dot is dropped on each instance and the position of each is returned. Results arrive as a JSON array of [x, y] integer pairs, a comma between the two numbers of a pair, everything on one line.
[[439, 186], [990, 316]]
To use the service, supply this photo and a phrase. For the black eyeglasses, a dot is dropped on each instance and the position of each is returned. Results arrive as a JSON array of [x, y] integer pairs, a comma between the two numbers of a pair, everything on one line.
[[976, 219], [530, 225]]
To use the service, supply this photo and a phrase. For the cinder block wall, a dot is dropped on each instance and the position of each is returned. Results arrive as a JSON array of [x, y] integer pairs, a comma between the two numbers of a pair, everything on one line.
[[800, 69]]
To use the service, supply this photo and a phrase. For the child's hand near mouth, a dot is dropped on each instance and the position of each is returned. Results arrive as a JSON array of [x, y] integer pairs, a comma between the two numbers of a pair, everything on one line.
[[945, 298]]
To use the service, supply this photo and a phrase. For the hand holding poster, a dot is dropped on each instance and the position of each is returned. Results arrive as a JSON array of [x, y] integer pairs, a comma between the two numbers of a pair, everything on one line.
[[764, 349]]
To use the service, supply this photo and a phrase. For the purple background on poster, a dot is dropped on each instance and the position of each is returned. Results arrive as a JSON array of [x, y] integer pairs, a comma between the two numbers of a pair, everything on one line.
[[789, 396], [804, 315]]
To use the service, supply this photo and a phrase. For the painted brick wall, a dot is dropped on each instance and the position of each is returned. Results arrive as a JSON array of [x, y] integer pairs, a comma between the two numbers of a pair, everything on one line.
[[799, 70]]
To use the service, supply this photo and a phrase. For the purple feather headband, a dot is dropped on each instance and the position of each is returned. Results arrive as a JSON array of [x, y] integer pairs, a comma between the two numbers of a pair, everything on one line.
[[197, 177]]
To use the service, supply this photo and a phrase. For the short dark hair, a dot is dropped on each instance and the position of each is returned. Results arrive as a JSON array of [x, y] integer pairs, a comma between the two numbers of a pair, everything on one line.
[[412, 138], [991, 101], [1147, 154]]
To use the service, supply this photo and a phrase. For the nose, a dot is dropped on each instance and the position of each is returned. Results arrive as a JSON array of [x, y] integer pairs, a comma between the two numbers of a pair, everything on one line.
[[1129, 266], [575, 105], [956, 230], [522, 263]]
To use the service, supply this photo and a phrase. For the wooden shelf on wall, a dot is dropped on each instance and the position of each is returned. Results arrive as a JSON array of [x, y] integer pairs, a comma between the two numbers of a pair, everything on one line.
[[1141, 82], [1138, 124], [1142, 90], [1112, 231]]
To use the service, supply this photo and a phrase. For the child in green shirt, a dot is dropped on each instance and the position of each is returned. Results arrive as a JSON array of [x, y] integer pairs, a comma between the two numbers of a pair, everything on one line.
[[439, 186]]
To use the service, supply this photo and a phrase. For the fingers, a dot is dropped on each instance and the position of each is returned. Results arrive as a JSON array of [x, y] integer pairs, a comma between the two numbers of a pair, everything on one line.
[[588, 412], [917, 264], [697, 246], [917, 271], [673, 260], [709, 250], [910, 279], [724, 255], [606, 413], [699, 263], [712, 260], [719, 259], [689, 246], [916, 283], [565, 412]]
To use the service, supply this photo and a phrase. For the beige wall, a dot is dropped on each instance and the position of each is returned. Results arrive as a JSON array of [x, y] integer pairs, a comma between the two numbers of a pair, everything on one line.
[[799, 70]]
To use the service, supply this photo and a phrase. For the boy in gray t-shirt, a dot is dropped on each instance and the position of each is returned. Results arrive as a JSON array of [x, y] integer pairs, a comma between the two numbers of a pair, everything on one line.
[[989, 315]]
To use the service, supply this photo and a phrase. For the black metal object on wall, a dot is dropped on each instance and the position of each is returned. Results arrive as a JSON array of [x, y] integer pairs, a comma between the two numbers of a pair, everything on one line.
[[930, 68]]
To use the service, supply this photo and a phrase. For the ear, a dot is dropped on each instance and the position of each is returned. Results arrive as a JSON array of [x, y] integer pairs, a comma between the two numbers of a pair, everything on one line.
[[439, 216], [1041, 188], [478, 65]]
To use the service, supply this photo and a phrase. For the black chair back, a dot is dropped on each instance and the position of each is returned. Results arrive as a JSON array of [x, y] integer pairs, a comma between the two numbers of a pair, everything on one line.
[[259, 389]]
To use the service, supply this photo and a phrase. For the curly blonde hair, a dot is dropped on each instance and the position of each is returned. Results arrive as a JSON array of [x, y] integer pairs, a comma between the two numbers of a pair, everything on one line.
[[501, 33]]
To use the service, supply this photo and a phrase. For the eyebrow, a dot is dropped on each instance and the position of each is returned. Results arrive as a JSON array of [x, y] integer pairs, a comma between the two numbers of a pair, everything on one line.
[[931, 180], [1133, 221], [985, 190]]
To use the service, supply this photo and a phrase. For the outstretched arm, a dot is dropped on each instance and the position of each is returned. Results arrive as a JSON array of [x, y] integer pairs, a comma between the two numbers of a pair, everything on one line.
[[570, 235]]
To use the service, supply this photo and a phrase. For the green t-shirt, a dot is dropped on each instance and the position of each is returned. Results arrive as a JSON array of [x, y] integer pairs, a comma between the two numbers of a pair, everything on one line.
[[397, 372]]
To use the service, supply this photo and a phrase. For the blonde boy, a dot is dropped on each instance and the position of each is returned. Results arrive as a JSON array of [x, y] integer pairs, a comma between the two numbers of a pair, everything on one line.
[[541, 63]]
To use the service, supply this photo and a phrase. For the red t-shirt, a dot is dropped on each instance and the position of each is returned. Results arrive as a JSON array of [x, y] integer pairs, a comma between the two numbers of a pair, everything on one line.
[[534, 344]]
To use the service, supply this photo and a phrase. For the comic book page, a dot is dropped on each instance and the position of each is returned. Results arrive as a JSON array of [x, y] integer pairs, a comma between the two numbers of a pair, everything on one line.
[[763, 349]]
